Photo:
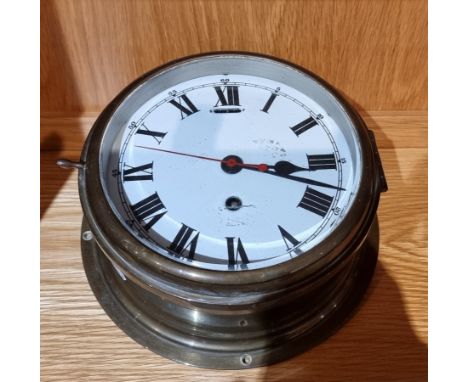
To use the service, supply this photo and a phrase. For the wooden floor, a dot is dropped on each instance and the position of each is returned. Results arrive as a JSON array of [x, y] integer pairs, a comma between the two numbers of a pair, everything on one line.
[[385, 341]]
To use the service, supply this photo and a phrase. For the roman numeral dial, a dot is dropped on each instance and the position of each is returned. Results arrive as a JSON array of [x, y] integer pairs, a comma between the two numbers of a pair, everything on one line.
[[185, 240], [157, 135], [269, 102], [230, 172], [143, 172], [185, 106], [234, 255], [148, 210], [303, 126], [228, 95], [322, 162], [316, 202], [289, 240]]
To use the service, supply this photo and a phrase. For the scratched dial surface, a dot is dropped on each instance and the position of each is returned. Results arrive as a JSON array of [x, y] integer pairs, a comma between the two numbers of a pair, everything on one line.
[[232, 172]]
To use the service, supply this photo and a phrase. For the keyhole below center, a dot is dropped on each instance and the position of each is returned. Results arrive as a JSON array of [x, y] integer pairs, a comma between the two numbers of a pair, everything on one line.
[[233, 203]]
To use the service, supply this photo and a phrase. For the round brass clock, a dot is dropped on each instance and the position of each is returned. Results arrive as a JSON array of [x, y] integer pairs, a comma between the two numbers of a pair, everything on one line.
[[229, 203]]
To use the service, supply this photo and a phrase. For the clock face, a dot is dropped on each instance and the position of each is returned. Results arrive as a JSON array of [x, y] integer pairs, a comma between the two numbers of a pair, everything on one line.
[[231, 171]]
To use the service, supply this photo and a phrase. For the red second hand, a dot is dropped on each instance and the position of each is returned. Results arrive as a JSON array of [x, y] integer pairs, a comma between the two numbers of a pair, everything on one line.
[[230, 162]]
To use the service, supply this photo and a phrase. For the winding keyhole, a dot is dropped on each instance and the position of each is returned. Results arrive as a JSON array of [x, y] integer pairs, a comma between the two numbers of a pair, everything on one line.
[[233, 203]]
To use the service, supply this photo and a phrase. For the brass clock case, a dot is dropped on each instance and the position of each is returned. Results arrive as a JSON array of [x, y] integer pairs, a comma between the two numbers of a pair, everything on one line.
[[222, 319]]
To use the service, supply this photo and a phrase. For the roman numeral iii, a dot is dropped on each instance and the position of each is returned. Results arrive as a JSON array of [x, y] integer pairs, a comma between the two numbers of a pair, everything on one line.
[[322, 162], [233, 254], [303, 126], [186, 239], [146, 210], [316, 202], [186, 110], [143, 172]]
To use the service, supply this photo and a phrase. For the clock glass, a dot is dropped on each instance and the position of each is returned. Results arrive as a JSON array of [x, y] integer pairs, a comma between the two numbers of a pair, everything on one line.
[[230, 163]]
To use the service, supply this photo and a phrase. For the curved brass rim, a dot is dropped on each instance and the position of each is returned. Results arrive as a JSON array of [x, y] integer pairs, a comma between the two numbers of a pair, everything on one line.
[[123, 301]]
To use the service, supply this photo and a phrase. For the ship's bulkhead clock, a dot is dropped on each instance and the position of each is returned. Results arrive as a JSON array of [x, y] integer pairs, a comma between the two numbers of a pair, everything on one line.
[[230, 203]]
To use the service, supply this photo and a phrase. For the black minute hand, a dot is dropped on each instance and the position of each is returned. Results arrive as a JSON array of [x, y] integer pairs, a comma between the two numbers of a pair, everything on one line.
[[300, 179]]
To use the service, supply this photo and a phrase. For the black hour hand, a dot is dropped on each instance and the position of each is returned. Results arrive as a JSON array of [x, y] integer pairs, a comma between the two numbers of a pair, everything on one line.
[[286, 168]]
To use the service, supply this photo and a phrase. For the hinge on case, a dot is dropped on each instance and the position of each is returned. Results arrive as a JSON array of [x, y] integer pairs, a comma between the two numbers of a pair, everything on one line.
[[383, 180]]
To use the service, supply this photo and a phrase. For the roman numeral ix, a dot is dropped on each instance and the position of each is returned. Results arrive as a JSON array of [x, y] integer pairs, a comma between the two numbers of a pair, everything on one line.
[[143, 172], [187, 110], [145, 210], [185, 239], [322, 162], [316, 202]]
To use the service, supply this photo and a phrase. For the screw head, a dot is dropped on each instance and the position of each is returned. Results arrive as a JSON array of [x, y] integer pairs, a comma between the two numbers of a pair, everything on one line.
[[87, 235]]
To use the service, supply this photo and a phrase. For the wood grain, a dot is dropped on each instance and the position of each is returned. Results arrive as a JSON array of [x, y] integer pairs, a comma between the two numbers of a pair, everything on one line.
[[385, 341], [373, 51]]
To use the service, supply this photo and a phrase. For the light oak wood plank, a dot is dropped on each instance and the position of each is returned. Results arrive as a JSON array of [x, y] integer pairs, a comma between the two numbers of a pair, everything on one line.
[[374, 51]]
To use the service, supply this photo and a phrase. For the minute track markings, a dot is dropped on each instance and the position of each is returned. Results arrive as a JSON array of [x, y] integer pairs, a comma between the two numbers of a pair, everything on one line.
[[239, 84]]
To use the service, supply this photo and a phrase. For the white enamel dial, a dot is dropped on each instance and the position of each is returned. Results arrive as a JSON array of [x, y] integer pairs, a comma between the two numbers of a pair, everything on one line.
[[232, 172]]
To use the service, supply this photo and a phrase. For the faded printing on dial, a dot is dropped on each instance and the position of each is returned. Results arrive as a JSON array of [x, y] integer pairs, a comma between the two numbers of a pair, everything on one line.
[[233, 173]]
